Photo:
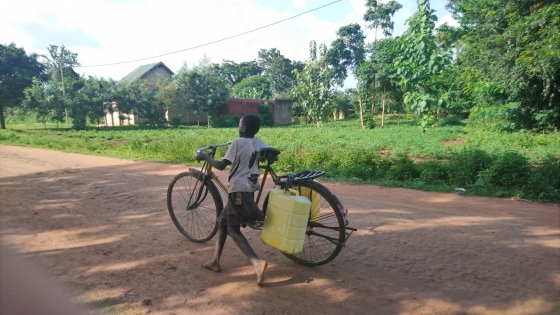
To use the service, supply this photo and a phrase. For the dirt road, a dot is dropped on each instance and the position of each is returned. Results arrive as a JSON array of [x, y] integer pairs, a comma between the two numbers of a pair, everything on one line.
[[99, 227]]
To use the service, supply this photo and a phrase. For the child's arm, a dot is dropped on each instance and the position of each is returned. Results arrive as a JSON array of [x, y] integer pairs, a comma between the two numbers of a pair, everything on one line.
[[220, 165]]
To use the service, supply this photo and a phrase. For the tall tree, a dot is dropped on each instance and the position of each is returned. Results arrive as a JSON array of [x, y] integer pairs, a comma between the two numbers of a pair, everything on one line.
[[203, 90], [142, 102], [181, 88], [45, 101], [234, 72], [256, 87], [60, 62], [382, 54], [17, 70], [511, 58], [277, 69], [379, 16], [315, 85], [88, 102], [347, 52], [422, 65]]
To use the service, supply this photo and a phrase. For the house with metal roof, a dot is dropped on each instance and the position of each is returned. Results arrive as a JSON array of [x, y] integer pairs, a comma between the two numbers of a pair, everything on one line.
[[150, 73]]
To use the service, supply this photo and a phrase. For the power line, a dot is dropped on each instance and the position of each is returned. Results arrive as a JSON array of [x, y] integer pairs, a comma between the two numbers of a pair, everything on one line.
[[210, 43]]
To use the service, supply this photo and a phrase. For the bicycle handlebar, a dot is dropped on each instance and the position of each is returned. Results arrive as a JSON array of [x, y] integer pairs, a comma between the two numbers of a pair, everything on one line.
[[214, 146]]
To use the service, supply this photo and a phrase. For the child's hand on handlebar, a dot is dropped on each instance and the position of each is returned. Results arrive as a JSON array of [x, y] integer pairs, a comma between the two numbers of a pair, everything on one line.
[[202, 156]]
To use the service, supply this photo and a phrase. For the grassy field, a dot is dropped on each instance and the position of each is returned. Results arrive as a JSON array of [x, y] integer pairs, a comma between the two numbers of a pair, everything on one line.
[[442, 158]]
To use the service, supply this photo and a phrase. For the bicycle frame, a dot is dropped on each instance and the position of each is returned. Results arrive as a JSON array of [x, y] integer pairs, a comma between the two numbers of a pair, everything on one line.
[[208, 171]]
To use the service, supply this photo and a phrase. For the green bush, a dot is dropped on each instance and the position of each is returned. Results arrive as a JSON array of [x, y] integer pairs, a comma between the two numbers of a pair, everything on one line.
[[226, 121], [509, 170], [402, 169], [451, 120], [544, 181], [265, 114], [175, 122], [356, 163], [382, 166], [465, 166], [369, 122], [343, 150], [433, 172]]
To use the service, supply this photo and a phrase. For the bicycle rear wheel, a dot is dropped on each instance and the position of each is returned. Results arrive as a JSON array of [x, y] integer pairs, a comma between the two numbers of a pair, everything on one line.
[[325, 234], [194, 205]]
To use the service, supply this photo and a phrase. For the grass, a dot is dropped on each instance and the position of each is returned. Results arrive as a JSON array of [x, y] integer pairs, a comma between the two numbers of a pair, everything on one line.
[[441, 159]]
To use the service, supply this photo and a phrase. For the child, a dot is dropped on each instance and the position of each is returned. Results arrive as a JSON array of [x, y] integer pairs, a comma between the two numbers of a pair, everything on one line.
[[241, 209]]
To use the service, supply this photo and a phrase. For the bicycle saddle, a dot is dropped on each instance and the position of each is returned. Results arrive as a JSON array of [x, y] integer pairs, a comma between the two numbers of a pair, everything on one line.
[[269, 154]]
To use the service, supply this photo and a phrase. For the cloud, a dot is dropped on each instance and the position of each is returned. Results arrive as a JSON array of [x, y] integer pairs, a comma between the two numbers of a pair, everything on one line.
[[43, 37], [406, 14], [109, 31], [447, 19], [299, 3]]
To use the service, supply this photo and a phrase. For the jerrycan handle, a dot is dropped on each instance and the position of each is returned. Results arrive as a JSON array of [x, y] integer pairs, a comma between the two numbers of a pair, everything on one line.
[[291, 192]]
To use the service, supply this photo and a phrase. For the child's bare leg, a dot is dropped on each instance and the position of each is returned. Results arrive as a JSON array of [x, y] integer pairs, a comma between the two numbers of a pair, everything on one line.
[[241, 242], [214, 264]]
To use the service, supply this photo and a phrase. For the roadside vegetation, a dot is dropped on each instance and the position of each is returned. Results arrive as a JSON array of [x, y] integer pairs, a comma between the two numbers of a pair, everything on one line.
[[472, 108], [451, 158]]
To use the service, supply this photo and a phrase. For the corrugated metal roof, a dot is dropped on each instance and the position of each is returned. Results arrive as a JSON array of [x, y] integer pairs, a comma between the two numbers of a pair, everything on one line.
[[143, 70]]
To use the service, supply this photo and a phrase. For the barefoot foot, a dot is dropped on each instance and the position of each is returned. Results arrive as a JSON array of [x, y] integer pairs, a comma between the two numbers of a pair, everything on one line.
[[260, 267], [211, 265]]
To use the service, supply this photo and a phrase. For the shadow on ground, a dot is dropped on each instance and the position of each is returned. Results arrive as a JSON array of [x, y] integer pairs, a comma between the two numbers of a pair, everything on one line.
[[105, 234]]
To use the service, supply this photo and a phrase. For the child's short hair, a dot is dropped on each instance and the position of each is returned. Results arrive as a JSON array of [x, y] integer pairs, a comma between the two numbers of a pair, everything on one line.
[[253, 124]]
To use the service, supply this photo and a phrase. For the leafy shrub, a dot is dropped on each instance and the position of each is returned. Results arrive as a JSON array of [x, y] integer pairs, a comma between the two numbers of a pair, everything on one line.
[[509, 117], [298, 111], [356, 163], [265, 114], [402, 169], [466, 164], [369, 122], [175, 122], [509, 170], [226, 121], [544, 181], [433, 171], [382, 167], [451, 120]]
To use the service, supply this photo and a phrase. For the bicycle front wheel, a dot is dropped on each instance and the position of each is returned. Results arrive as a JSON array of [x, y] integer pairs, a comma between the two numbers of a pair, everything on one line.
[[194, 205], [325, 233]]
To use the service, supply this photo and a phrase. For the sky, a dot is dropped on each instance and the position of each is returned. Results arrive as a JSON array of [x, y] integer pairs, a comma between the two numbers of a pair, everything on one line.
[[113, 31]]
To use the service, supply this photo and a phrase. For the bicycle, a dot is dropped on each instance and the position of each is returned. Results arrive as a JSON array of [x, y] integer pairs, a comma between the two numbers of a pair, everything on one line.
[[194, 202]]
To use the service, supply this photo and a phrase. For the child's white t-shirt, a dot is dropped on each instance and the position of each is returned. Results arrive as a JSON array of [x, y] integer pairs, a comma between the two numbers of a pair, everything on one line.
[[243, 153]]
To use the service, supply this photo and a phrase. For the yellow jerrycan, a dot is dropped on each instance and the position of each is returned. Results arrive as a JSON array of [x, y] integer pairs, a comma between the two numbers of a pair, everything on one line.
[[286, 220], [314, 197]]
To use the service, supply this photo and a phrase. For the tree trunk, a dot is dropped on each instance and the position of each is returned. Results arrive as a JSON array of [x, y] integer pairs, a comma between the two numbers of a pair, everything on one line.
[[2, 124], [383, 106], [361, 112], [112, 118], [63, 95], [198, 120], [373, 98]]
